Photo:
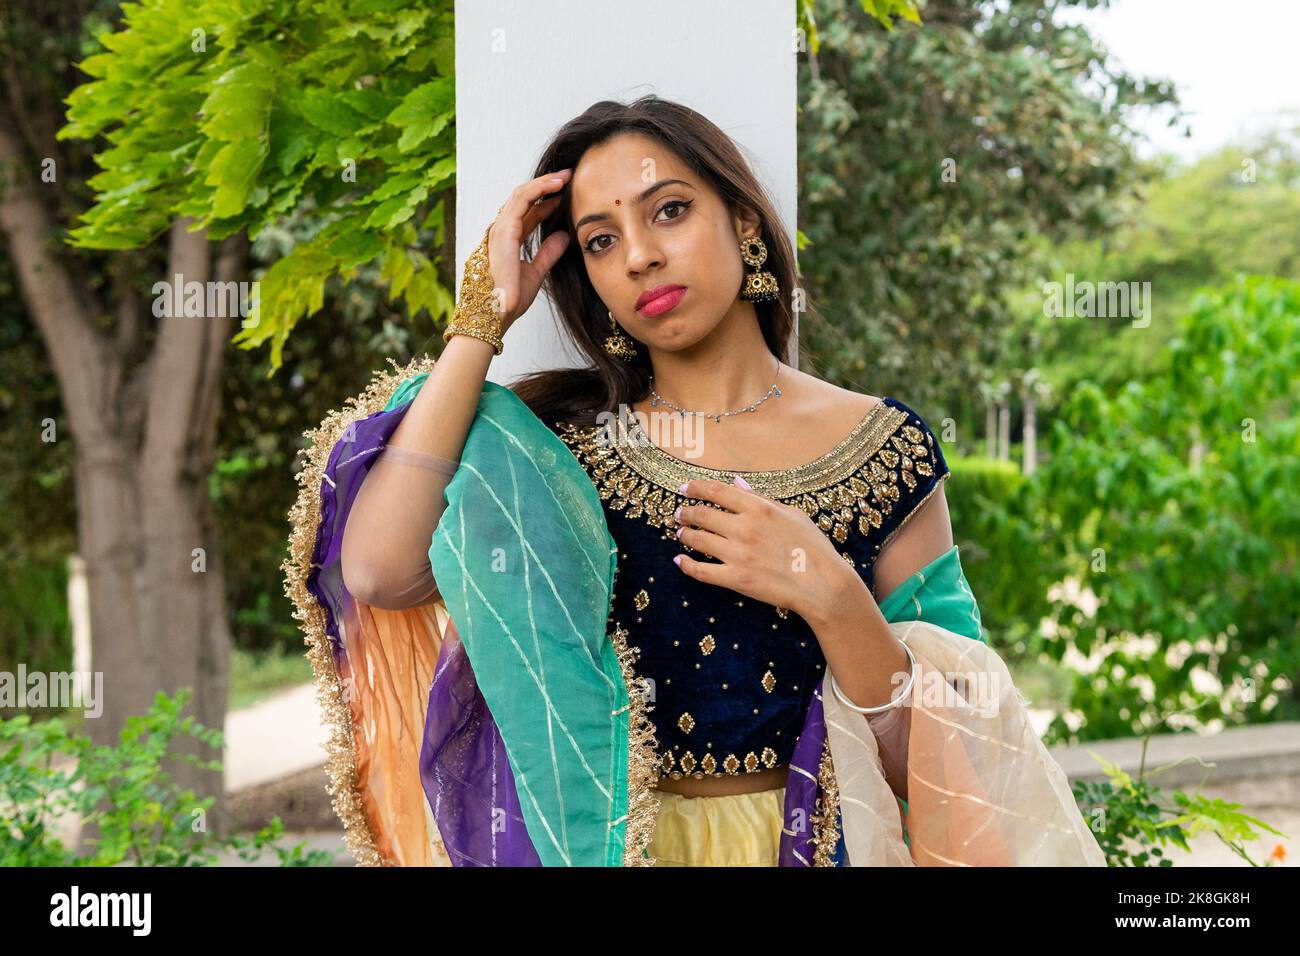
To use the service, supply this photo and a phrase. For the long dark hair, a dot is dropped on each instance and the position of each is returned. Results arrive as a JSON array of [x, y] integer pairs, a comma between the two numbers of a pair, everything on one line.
[[579, 395]]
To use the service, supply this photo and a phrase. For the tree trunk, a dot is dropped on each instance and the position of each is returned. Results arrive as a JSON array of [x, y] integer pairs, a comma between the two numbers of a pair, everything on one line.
[[181, 583], [145, 434]]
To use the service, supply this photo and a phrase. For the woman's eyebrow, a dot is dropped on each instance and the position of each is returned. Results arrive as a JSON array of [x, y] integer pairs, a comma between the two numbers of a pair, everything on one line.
[[636, 201]]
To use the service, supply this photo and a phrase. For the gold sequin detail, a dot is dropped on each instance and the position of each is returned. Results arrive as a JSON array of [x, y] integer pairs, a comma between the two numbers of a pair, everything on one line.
[[688, 761], [854, 484], [783, 612], [707, 645], [642, 754], [642, 600], [708, 764], [731, 764], [825, 831], [769, 682], [751, 762], [769, 758], [686, 722]]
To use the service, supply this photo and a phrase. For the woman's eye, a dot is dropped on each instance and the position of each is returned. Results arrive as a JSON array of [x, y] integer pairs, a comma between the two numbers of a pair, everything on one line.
[[604, 235], [593, 239], [676, 202]]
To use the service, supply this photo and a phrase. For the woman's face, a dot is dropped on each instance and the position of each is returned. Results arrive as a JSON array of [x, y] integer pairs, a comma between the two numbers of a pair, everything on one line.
[[644, 221]]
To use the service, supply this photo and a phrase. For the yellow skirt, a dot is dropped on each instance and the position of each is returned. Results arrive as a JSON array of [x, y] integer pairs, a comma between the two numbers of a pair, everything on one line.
[[742, 829]]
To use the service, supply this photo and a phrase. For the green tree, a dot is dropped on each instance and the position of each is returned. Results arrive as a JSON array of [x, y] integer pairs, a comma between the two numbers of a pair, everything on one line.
[[930, 160], [1196, 225], [254, 111], [136, 395], [1175, 506]]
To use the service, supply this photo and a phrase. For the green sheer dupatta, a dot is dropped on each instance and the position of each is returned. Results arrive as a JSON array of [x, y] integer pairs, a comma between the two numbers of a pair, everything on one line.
[[938, 594], [526, 565]]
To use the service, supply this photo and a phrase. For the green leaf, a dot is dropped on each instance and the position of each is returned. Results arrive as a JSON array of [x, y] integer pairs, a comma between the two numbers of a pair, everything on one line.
[[325, 110], [233, 171], [354, 247], [424, 112], [239, 104]]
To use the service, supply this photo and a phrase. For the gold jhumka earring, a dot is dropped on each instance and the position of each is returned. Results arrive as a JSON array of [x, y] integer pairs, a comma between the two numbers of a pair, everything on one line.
[[618, 344], [760, 286]]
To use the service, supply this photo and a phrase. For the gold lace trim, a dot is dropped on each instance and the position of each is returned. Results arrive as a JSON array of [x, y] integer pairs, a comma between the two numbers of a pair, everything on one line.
[[669, 472], [642, 761], [305, 518], [826, 831]]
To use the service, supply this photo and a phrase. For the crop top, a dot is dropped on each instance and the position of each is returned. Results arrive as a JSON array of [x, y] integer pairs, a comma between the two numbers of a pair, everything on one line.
[[730, 678]]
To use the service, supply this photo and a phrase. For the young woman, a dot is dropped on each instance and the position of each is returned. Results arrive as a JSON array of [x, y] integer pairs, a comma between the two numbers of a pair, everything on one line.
[[687, 605]]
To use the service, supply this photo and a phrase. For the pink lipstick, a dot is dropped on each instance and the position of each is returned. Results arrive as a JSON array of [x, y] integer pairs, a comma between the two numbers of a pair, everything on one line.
[[660, 300]]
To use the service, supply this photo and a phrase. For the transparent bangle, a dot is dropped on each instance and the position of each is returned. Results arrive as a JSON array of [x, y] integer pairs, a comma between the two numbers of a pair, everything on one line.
[[420, 459], [902, 695]]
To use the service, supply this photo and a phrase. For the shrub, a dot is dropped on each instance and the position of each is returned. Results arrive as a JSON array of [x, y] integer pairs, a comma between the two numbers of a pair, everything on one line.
[[1176, 502], [149, 820], [1009, 566]]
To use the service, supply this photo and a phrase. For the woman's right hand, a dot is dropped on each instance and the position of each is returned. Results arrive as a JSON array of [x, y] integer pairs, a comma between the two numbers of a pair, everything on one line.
[[518, 280]]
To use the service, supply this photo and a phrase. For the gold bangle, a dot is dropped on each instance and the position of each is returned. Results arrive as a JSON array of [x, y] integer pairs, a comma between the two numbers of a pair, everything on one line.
[[496, 343], [475, 314]]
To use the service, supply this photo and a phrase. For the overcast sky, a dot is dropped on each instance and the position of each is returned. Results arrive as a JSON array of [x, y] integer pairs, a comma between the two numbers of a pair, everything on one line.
[[1236, 64]]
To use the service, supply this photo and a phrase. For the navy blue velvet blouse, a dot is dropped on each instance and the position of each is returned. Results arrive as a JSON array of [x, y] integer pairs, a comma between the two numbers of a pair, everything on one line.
[[731, 678]]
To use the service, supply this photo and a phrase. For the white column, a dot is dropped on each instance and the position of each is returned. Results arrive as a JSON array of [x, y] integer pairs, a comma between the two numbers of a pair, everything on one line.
[[79, 613], [1004, 429], [991, 429], [1030, 433], [525, 68]]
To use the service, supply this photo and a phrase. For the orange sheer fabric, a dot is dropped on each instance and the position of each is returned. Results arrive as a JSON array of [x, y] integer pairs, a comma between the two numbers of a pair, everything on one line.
[[392, 655]]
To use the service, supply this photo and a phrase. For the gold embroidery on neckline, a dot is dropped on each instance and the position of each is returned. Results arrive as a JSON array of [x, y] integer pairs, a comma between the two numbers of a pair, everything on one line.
[[854, 484], [667, 471]]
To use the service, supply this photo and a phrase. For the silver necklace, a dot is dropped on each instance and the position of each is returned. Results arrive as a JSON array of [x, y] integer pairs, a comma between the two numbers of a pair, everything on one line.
[[717, 416]]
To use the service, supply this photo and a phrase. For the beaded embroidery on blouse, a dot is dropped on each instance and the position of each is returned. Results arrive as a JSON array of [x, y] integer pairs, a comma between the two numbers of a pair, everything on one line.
[[853, 493], [852, 483]]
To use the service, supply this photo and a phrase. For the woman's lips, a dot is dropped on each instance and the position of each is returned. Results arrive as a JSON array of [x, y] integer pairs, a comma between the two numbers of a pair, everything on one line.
[[662, 303]]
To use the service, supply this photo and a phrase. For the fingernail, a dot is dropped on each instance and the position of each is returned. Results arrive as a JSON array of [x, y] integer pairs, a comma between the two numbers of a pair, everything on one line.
[[743, 483], [678, 533], [678, 560], [677, 515], [681, 489]]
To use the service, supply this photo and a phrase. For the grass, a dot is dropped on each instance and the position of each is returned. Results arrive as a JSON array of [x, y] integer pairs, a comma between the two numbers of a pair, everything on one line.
[[256, 676]]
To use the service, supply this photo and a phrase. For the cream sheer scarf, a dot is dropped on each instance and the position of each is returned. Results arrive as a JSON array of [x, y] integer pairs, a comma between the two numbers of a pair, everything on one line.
[[972, 757]]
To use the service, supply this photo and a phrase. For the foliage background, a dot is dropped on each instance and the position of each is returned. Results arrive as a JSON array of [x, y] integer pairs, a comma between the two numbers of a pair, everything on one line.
[[325, 130]]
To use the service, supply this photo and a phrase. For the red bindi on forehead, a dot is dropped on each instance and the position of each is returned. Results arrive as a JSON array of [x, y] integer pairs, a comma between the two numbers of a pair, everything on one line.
[[618, 202]]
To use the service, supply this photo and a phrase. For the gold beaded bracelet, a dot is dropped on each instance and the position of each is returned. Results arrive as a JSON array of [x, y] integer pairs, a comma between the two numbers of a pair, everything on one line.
[[476, 313]]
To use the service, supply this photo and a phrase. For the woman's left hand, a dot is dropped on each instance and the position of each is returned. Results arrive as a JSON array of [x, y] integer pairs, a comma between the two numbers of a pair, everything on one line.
[[769, 551]]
